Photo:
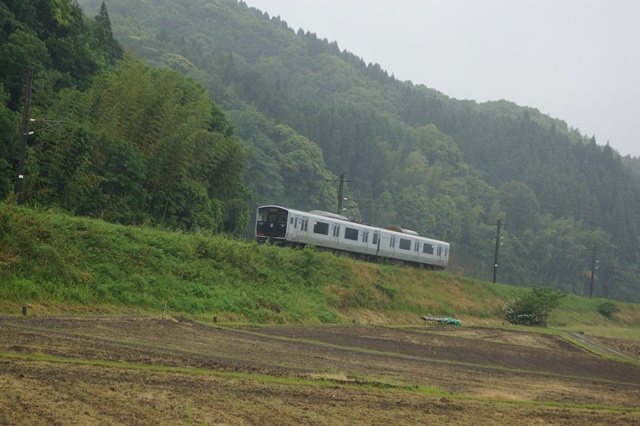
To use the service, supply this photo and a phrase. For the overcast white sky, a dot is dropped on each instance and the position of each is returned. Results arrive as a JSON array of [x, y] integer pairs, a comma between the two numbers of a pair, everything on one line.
[[577, 60]]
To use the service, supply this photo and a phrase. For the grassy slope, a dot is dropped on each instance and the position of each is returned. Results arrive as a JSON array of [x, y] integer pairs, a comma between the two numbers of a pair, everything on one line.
[[57, 263]]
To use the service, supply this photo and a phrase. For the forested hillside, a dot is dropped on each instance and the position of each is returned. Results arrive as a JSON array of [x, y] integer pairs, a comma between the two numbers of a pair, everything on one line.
[[304, 112], [113, 138], [413, 157]]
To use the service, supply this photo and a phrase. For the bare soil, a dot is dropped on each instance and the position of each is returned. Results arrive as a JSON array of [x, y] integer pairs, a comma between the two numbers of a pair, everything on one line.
[[139, 370]]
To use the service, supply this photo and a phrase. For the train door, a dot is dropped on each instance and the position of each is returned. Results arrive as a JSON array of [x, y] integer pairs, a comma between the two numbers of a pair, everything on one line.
[[303, 226], [335, 231], [293, 227], [375, 241], [392, 245]]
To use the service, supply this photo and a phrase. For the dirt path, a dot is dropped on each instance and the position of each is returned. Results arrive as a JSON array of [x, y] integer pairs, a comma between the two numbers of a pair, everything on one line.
[[600, 347]]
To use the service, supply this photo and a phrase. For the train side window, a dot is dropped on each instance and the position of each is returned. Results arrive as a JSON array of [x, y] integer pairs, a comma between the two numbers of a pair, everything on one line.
[[351, 234], [321, 228], [427, 248], [375, 238], [405, 244]]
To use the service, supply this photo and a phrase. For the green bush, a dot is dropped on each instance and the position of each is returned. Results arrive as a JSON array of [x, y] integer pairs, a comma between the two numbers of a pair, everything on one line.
[[607, 308], [534, 307]]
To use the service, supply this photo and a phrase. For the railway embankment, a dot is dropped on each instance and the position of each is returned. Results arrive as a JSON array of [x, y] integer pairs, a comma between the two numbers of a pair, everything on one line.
[[53, 263]]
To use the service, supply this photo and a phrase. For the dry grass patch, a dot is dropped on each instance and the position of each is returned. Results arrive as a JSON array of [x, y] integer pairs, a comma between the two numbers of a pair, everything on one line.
[[629, 314], [490, 394]]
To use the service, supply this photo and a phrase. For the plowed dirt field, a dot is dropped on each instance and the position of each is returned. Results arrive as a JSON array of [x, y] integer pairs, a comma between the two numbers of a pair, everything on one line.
[[139, 370]]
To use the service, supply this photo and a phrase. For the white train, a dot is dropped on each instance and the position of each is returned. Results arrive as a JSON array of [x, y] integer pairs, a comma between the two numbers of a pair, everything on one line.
[[290, 227]]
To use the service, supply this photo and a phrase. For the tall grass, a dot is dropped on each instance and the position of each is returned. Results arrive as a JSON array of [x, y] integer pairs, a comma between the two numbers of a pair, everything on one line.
[[55, 259]]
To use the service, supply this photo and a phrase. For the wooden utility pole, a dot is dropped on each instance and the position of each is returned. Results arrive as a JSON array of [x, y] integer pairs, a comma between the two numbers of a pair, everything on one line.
[[25, 135], [593, 271], [495, 259], [340, 192]]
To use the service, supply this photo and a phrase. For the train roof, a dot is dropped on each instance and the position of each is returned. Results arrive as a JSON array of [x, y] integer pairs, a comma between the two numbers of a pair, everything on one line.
[[328, 214], [403, 231]]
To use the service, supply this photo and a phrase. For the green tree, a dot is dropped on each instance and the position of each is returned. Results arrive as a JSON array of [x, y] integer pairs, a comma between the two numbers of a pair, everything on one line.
[[8, 143], [104, 34], [20, 48], [383, 211], [521, 206], [607, 308], [302, 167], [414, 211], [448, 225], [141, 145], [121, 197], [534, 307]]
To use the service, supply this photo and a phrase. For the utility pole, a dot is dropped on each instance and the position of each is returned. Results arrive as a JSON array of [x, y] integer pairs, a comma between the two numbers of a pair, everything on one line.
[[342, 181], [495, 259], [593, 271], [25, 135], [340, 192]]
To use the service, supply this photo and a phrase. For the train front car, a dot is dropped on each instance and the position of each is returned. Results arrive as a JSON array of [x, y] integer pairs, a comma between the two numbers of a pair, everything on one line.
[[271, 224]]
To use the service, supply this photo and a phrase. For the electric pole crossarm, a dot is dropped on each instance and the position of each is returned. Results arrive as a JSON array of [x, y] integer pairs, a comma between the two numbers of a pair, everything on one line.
[[50, 125]]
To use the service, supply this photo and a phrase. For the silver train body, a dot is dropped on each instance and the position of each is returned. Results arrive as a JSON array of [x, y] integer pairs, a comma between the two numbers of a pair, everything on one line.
[[289, 227]]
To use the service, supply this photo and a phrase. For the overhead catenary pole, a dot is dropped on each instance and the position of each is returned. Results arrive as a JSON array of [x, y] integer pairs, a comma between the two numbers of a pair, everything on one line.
[[25, 135], [495, 259]]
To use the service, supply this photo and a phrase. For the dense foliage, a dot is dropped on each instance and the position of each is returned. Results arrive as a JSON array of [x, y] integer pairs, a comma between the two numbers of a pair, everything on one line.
[[607, 308], [136, 145], [534, 307]]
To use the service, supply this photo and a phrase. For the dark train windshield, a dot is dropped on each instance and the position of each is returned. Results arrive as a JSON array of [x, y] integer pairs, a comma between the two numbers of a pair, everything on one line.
[[272, 215]]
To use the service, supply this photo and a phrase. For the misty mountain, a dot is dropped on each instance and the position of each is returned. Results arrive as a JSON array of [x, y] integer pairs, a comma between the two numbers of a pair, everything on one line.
[[307, 111]]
